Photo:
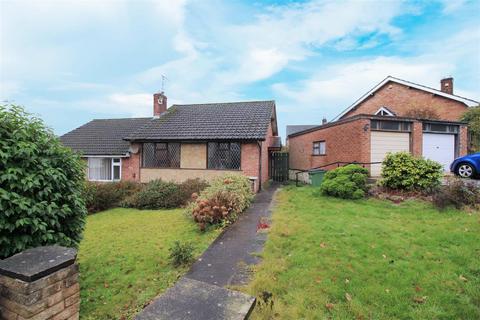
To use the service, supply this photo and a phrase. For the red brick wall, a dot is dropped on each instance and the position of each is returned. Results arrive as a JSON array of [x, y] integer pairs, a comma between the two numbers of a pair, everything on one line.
[[463, 141], [417, 139], [399, 99], [131, 167], [250, 159], [347, 142]]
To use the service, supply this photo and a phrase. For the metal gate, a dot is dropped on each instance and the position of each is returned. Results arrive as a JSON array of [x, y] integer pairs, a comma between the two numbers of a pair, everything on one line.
[[279, 166]]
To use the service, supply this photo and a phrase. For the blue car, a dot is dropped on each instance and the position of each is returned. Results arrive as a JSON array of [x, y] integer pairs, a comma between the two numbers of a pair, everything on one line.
[[466, 166]]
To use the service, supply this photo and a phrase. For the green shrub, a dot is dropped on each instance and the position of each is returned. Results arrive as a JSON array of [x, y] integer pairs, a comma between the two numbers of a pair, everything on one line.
[[103, 196], [41, 185], [349, 182], [403, 171], [181, 253], [222, 201], [156, 194], [190, 187], [458, 193]]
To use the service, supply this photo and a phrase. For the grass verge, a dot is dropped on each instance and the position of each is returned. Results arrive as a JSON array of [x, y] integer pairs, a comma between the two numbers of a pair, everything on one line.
[[368, 259]]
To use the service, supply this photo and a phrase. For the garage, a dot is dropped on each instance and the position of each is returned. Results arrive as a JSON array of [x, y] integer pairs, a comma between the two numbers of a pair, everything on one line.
[[383, 142], [439, 147]]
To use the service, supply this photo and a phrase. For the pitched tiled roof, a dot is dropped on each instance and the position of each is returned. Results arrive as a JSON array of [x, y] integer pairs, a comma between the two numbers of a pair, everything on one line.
[[103, 136], [297, 128], [468, 102], [213, 121]]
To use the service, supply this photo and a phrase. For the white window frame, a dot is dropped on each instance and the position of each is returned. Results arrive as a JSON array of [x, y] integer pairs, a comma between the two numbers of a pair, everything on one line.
[[384, 110], [320, 143], [112, 164]]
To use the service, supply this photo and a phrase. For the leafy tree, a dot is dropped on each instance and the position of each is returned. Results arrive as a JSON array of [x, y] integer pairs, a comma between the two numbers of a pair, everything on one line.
[[41, 185], [472, 116]]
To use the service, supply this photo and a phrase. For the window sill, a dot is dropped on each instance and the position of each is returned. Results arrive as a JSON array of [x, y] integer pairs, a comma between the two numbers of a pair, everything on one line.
[[319, 155]]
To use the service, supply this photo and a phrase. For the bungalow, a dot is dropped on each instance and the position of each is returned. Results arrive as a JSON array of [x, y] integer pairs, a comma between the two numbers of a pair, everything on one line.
[[396, 115], [181, 142]]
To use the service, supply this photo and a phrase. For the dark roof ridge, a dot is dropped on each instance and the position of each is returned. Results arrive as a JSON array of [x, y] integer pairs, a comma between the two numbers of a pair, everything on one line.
[[126, 118], [214, 103]]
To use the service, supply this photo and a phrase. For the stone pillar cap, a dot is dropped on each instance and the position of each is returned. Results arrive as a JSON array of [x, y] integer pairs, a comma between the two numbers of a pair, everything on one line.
[[33, 264]]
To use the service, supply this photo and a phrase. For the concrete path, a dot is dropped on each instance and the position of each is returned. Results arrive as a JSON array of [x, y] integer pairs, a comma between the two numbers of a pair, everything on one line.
[[200, 294], [225, 261]]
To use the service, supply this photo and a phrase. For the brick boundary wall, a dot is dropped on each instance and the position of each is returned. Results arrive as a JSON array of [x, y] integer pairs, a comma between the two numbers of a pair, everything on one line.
[[40, 284]]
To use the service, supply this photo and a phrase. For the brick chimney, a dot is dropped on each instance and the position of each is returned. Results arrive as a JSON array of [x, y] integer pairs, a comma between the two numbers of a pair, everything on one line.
[[159, 104], [446, 85]]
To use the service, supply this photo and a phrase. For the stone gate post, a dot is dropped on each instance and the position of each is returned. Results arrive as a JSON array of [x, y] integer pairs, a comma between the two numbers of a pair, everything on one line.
[[40, 284]]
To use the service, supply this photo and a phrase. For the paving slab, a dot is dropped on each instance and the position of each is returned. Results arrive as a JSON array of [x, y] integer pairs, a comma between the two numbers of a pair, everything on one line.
[[227, 259], [195, 300]]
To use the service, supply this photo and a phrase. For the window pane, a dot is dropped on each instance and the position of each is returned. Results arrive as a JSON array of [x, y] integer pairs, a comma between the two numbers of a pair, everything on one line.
[[322, 147], [161, 155], [149, 155], [99, 169], [438, 127], [224, 155], [173, 155], [390, 125], [116, 172], [235, 155], [316, 148]]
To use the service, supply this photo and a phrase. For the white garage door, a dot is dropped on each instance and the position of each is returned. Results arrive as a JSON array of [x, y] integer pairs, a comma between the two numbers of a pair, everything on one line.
[[383, 143], [439, 147]]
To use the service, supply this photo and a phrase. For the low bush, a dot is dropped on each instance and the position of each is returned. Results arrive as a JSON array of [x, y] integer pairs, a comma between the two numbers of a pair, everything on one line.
[[457, 193], [222, 201], [103, 196], [349, 182], [190, 187], [160, 194], [181, 253], [403, 171], [156, 194]]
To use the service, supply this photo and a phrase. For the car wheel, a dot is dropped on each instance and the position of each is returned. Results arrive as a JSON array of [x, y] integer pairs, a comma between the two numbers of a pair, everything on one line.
[[465, 170]]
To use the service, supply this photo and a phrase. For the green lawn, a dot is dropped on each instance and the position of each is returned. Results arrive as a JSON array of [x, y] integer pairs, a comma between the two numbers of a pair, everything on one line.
[[368, 259], [124, 259]]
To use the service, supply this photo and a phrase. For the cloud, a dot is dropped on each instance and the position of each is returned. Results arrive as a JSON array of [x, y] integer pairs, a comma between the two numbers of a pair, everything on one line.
[[314, 57], [215, 64], [331, 89], [452, 6]]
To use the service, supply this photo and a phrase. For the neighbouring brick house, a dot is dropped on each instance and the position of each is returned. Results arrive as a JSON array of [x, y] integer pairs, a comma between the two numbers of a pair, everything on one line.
[[181, 142], [382, 121]]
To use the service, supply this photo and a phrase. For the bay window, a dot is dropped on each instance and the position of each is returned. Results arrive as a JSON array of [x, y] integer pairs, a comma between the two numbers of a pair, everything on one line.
[[104, 169]]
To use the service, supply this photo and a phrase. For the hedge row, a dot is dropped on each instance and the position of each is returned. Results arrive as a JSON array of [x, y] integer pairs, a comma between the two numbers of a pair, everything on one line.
[[156, 194]]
